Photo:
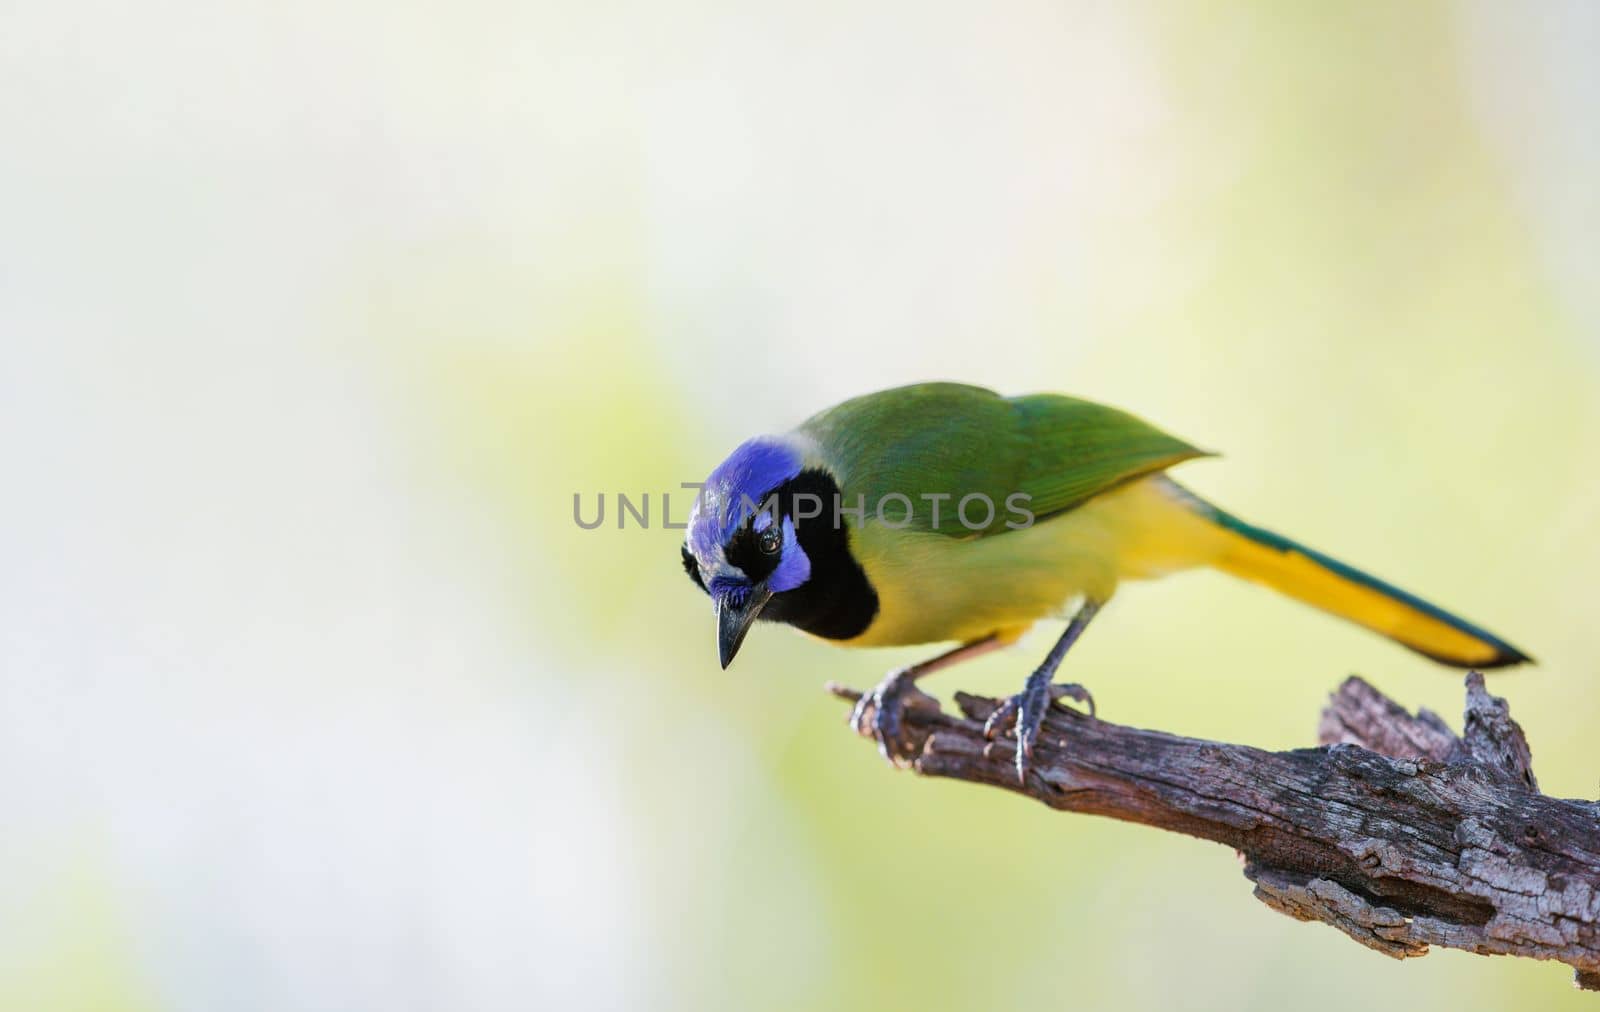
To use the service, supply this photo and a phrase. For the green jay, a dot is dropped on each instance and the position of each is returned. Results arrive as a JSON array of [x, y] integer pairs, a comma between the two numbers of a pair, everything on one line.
[[946, 513]]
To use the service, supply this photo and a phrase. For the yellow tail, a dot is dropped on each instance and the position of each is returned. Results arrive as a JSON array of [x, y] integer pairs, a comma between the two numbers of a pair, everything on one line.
[[1307, 575]]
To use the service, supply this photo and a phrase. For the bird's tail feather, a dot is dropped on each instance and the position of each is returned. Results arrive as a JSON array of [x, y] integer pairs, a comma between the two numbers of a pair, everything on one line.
[[1258, 555]]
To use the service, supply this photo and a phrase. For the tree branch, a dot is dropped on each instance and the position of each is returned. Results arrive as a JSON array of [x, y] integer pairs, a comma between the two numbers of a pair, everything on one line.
[[1397, 832]]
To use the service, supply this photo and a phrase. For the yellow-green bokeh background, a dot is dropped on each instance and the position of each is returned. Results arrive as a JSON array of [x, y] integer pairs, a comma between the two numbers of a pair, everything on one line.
[[312, 694]]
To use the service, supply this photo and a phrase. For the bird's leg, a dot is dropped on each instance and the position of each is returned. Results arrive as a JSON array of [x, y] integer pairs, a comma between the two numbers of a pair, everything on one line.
[[877, 713], [1038, 694]]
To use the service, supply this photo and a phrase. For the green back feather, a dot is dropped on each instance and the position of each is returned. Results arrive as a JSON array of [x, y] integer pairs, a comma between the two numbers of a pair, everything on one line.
[[952, 439]]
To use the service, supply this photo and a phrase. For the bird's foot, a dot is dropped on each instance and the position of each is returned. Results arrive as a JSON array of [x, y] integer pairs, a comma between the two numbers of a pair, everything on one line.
[[1026, 711], [878, 713]]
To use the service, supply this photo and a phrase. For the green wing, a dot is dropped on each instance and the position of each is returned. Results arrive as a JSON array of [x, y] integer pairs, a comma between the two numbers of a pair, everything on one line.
[[950, 439]]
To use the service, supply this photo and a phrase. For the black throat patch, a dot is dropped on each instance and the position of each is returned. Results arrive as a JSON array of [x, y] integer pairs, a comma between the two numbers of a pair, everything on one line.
[[838, 601]]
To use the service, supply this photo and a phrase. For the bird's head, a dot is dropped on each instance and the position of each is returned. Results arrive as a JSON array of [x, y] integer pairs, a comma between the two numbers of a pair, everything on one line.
[[743, 546]]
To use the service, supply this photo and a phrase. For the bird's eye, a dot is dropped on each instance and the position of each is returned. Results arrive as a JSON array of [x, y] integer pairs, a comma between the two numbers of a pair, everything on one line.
[[770, 540]]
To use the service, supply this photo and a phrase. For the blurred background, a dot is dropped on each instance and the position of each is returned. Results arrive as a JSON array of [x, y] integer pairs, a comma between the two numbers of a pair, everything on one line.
[[315, 318]]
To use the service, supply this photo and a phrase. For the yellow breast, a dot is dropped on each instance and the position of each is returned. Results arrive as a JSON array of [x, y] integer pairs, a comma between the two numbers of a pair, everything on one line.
[[932, 587]]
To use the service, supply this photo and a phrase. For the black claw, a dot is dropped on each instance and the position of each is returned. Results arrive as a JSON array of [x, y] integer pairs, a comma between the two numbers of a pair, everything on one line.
[[1003, 715], [858, 713], [888, 723], [1026, 711], [886, 726], [885, 702], [1074, 692], [1030, 716]]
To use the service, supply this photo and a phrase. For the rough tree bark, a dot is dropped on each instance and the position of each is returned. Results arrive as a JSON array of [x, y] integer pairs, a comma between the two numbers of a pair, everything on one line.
[[1397, 832]]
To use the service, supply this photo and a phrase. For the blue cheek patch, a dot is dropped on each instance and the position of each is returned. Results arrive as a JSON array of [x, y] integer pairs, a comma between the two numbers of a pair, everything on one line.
[[794, 568]]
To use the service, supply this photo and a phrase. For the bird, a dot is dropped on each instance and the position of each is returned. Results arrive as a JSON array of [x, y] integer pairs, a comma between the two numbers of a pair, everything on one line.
[[947, 513]]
